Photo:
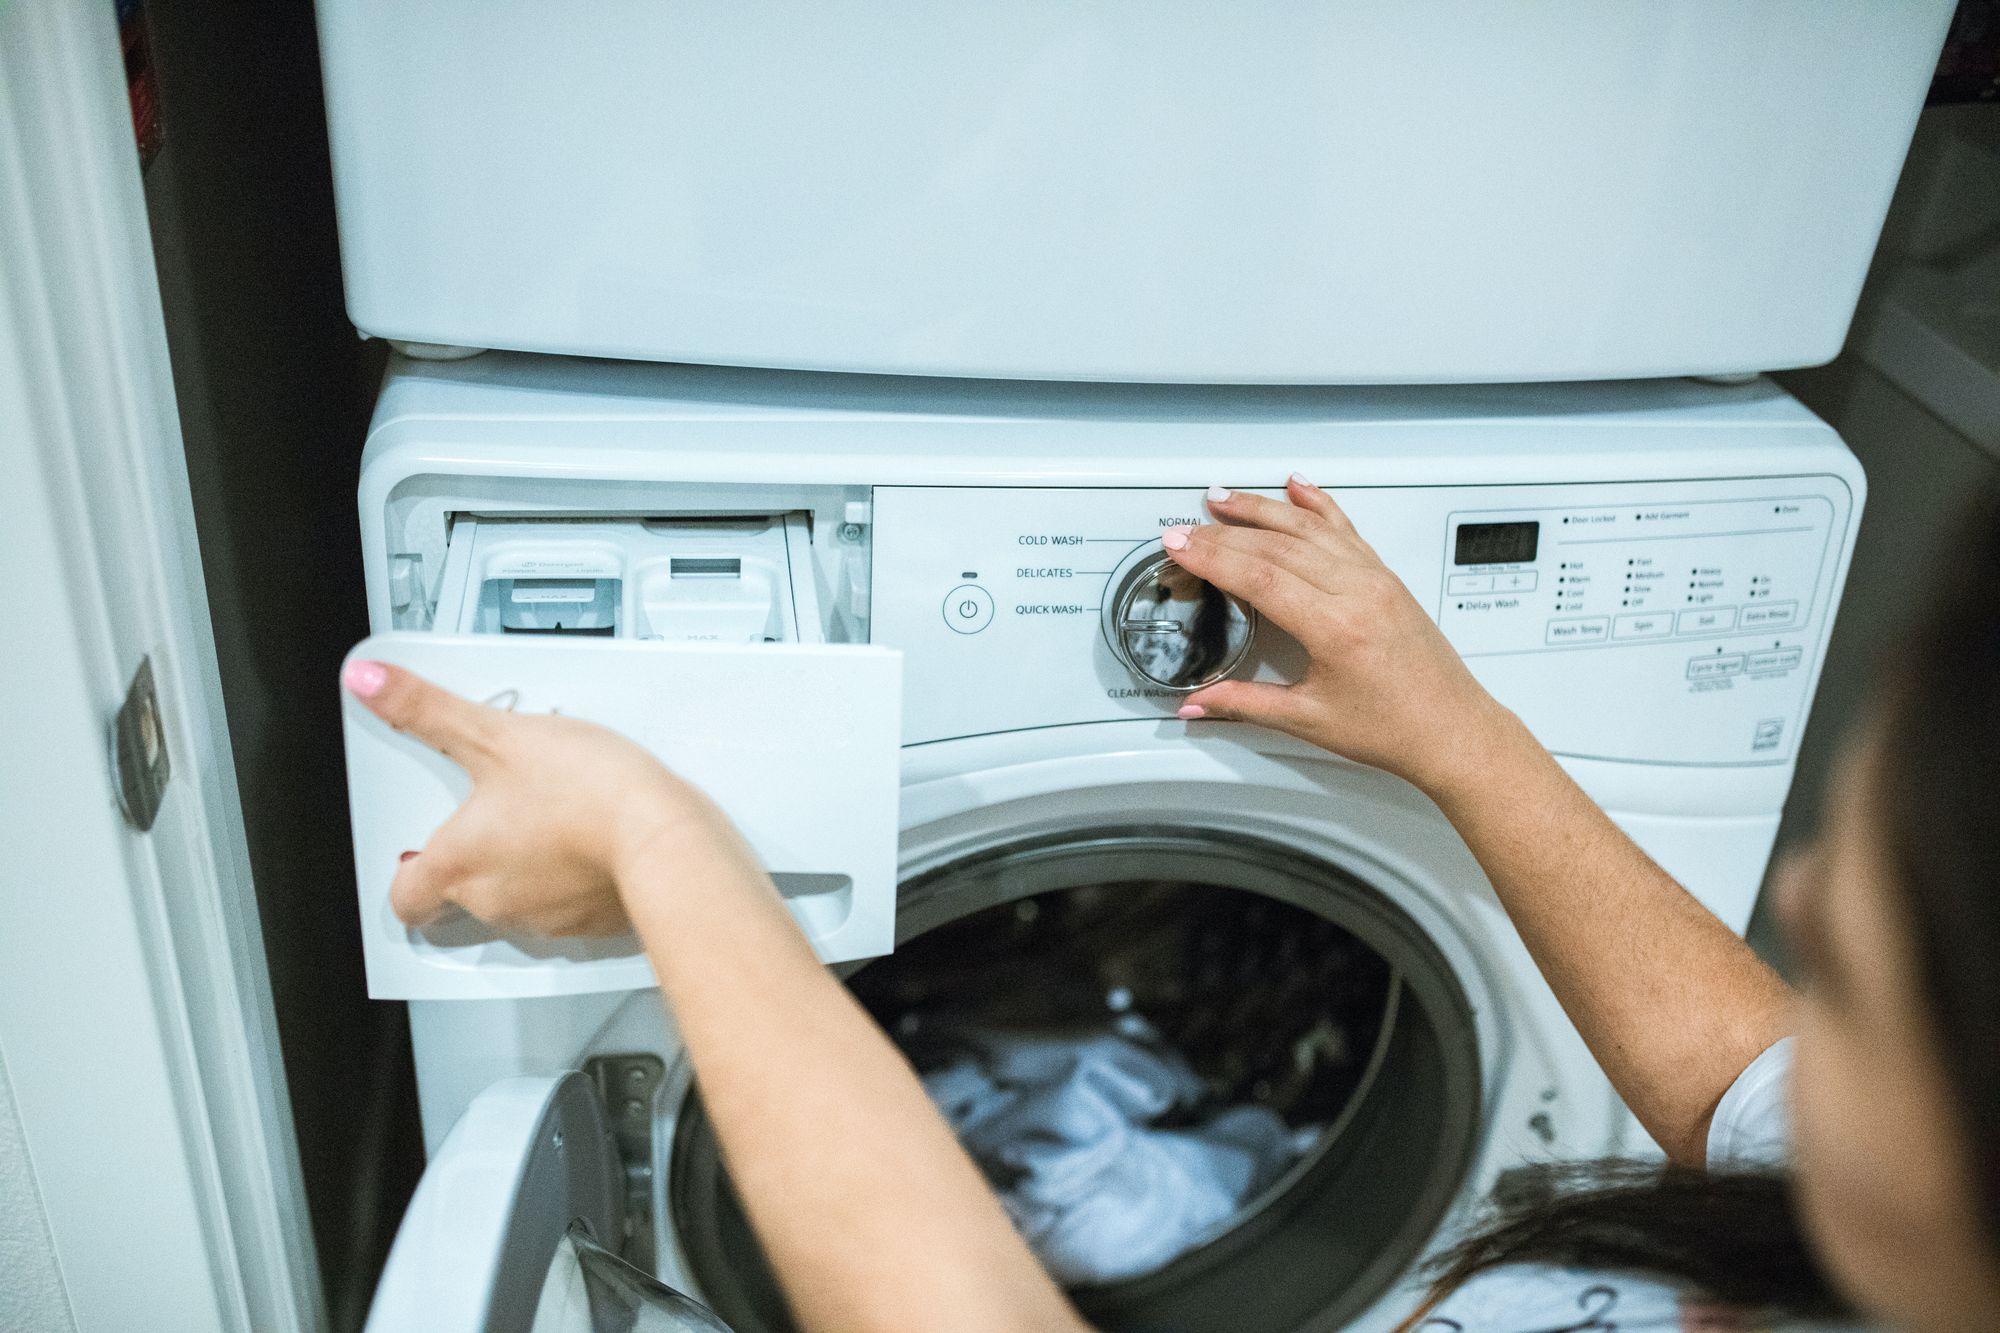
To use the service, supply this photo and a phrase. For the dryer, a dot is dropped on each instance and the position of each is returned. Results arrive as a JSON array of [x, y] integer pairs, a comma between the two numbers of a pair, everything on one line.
[[1645, 572], [1433, 191]]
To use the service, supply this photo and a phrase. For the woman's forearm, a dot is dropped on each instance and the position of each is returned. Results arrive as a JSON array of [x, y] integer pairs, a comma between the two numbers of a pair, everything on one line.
[[870, 1212], [1672, 1003]]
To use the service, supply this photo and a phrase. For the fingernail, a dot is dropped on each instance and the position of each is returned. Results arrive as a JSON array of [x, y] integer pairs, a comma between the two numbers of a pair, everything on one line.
[[1217, 494], [1300, 478], [1174, 539], [1193, 711], [365, 678], [407, 856]]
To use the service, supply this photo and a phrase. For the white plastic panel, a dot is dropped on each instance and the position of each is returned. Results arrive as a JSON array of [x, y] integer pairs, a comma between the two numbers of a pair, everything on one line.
[[796, 742], [959, 471], [1424, 191], [991, 587]]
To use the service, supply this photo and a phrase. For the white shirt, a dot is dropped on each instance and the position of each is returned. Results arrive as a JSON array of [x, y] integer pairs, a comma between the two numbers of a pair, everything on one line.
[[1751, 1127]]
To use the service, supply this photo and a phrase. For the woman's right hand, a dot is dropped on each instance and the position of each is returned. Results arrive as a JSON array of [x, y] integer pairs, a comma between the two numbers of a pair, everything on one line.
[[1384, 686], [563, 815]]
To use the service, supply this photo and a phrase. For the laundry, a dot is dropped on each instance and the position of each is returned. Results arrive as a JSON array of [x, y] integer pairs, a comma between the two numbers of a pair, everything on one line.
[[1100, 1146]]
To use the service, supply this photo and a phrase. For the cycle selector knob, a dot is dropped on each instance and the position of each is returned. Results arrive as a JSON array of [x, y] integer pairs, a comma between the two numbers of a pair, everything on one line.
[[1170, 628]]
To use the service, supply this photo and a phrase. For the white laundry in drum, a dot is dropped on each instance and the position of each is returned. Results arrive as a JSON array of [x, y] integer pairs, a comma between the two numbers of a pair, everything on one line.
[[1099, 1146]]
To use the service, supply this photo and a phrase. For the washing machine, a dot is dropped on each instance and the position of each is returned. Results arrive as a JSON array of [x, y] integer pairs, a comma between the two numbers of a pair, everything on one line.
[[935, 688]]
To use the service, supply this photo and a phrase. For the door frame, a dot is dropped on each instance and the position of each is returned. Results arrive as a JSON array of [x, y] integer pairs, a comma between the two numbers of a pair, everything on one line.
[[136, 1025]]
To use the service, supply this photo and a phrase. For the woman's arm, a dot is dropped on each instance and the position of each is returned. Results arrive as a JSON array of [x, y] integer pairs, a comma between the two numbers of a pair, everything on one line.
[[871, 1214], [1671, 1002]]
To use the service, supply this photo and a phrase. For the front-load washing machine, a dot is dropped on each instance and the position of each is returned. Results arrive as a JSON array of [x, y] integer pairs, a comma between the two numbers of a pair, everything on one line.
[[937, 684]]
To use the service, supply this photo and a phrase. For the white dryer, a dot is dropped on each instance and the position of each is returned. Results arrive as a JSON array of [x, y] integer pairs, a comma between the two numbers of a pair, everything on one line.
[[1644, 572], [1433, 191]]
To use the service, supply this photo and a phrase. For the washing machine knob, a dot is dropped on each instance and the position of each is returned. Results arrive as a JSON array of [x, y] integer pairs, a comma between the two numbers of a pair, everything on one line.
[[1170, 628]]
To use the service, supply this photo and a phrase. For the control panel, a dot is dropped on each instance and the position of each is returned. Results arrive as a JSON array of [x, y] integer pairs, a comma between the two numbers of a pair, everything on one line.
[[1674, 622], [1570, 577]]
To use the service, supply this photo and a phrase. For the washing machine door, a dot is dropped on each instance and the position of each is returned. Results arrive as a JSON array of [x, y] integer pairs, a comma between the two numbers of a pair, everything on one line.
[[510, 1227], [798, 743]]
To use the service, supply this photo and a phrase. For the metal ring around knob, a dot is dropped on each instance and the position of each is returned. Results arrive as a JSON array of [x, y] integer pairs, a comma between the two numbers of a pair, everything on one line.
[[1171, 629]]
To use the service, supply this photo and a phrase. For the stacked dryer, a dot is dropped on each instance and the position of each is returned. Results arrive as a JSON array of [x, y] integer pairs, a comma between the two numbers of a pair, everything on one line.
[[926, 321]]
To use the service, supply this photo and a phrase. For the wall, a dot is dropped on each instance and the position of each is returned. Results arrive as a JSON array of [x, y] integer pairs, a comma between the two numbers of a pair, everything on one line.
[[1916, 395], [31, 1296]]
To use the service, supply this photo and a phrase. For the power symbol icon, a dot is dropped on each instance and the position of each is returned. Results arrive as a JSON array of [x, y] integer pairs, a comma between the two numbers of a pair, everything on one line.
[[968, 608]]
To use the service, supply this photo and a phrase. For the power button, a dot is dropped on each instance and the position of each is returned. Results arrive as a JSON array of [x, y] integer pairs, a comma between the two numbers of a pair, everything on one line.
[[968, 608]]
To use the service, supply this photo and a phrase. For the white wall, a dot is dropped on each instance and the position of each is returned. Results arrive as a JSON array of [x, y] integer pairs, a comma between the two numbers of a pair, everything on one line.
[[31, 1290]]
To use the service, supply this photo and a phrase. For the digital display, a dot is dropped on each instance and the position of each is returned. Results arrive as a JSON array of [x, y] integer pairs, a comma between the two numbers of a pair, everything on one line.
[[1496, 543]]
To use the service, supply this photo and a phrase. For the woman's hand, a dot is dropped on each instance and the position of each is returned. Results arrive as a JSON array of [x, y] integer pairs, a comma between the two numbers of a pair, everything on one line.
[[561, 812], [1384, 686]]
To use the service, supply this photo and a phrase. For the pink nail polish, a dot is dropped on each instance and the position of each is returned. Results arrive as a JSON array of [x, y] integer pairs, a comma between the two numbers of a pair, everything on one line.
[[1174, 539], [1192, 711], [365, 678], [407, 856], [1299, 477], [1218, 495]]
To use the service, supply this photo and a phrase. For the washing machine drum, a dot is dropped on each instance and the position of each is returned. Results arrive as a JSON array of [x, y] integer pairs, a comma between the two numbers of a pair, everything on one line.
[[1273, 980]]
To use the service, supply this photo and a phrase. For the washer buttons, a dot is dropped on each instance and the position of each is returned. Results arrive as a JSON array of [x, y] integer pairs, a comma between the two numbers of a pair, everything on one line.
[[968, 608]]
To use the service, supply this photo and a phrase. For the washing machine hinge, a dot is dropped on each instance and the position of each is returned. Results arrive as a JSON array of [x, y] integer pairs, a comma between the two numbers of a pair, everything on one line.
[[628, 1084]]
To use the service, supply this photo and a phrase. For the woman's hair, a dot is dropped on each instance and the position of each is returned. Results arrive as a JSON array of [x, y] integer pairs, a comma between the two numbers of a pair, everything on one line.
[[1734, 1236]]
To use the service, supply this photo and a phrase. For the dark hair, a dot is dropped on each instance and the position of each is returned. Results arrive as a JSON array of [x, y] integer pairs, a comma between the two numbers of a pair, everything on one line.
[[1734, 1236], [1731, 1235]]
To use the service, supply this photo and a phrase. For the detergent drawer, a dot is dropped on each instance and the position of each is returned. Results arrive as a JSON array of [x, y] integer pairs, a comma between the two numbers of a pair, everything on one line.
[[796, 742], [731, 579], [701, 640]]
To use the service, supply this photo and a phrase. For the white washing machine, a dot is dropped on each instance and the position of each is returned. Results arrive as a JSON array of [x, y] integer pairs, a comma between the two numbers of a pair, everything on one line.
[[925, 601]]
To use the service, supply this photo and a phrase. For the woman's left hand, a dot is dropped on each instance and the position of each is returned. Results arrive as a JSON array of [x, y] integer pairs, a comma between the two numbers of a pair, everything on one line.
[[1383, 685]]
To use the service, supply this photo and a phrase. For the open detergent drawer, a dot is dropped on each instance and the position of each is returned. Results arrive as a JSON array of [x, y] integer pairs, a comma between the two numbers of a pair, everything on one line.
[[699, 640]]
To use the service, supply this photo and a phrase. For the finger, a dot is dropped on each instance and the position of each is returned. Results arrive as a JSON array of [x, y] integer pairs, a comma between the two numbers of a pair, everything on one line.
[[1315, 564], [1245, 508], [1323, 563], [1316, 501], [456, 728], [417, 893], [1274, 706], [1280, 595]]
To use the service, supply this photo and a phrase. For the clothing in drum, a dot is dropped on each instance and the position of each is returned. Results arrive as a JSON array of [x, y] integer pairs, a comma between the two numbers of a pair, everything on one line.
[[1173, 1081]]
